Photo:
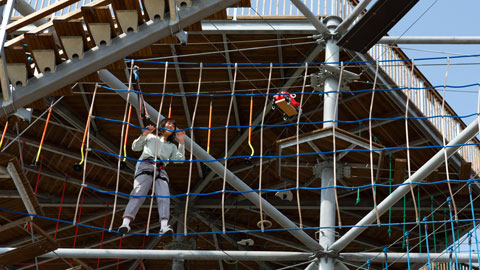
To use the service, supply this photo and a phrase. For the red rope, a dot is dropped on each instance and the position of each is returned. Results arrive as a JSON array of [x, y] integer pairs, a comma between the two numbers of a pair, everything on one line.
[[78, 221], [61, 203], [38, 175], [143, 247], [170, 107], [119, 247], [103, 231], [21, 149], [3, 134]]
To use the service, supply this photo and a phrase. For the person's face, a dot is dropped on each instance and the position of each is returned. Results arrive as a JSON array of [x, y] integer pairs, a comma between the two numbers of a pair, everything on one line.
[[169, 125]]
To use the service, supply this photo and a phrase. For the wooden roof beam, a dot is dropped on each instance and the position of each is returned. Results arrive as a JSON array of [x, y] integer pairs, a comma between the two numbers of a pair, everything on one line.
[[38, 15]]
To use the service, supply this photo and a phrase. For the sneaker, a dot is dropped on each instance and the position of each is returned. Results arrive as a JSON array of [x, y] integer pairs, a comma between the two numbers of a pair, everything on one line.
[[166, 229], [124, 229]]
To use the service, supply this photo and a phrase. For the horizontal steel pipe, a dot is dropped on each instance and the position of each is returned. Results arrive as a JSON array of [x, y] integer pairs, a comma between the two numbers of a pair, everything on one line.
[[174, 254], [402, 257]]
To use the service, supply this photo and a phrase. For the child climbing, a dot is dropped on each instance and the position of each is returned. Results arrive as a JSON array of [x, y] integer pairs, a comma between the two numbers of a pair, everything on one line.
[[167, 150]]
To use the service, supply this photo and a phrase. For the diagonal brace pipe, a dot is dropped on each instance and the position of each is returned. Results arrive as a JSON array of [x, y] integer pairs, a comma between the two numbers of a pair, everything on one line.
[[467, 134]]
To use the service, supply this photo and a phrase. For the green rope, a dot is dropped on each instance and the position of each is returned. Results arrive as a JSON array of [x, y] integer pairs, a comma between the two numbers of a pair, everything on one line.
[[433, 230], [458, 237], [358, 197], [263, 263], [419, 227], [404, 217], [236, 264], [360, 129], [446, 237], [389, 192], [374, 139]]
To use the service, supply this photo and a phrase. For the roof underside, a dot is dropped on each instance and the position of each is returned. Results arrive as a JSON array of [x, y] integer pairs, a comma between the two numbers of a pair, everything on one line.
[[63, 140]]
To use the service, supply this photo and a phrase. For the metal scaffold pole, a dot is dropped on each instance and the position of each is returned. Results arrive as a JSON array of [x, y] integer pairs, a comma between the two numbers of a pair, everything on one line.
[[327, 203]]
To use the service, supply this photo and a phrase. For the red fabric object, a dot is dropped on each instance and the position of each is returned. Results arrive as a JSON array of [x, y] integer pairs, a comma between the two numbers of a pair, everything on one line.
[[281, 95]]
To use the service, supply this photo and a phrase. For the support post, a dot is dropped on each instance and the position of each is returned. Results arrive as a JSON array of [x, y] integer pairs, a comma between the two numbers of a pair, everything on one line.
[[327, 203], [7, 12], [327, 217], [332, 54], [177, 264]]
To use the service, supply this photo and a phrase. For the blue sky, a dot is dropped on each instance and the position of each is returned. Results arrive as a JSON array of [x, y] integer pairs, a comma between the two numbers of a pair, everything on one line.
[[446, 18]]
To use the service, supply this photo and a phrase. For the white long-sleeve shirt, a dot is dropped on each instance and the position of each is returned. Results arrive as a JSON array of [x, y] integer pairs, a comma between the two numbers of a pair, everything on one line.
[[166, 150]]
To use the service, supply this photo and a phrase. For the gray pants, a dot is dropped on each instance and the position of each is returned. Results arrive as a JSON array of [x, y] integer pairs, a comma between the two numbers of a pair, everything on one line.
[[141, 186]]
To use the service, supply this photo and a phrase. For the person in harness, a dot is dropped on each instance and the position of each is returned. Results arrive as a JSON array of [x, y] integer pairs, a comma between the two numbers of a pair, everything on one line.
[[167, 150]]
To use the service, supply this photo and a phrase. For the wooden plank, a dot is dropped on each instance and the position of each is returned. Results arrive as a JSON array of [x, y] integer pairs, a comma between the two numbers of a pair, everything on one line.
[[16, 54], [242, 3], [286, 107], [194, 27], [64, 91], [38, 104], [5, 159], [93, 77], [221, 15], [145, 52], [120, 64], [26, 252], [71, 28], [128, 5], [72, 15], [399, 173], [98, 15], [47, 236], [434, 177], [168, 40], [43, 41], [38, 15], [14, 223], [465, 171]]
